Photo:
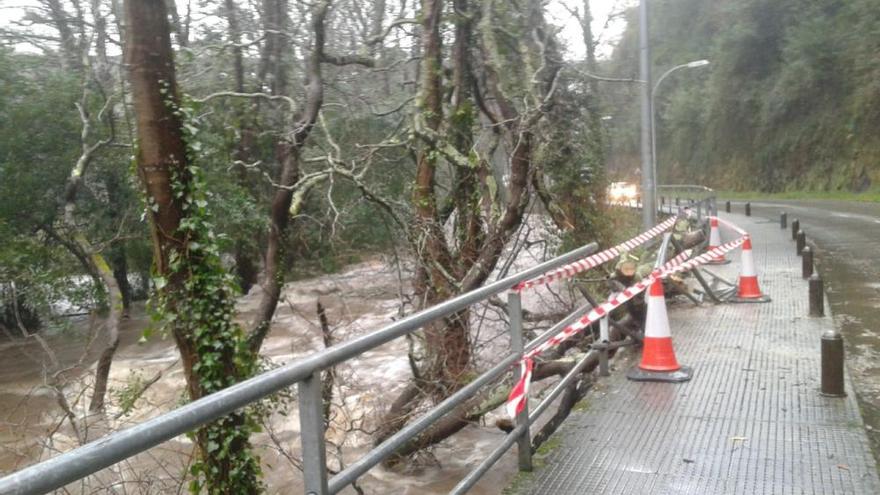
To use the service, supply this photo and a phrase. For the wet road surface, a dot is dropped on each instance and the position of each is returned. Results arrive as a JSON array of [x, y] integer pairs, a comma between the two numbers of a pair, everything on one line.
[[846, 236]]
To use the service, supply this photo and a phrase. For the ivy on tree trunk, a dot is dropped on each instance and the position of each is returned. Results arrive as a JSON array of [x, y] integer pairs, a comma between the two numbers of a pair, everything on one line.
[[195, 294]]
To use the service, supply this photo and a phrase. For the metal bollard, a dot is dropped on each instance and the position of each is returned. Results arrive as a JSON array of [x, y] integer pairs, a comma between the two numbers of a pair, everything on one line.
[[801, 242], [783, 220], [727, 206], [807, 262], [795, 226], [832, 365], [817, 296], [748, 209]]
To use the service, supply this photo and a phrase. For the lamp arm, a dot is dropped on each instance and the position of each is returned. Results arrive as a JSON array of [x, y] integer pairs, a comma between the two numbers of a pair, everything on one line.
[[659, 80]]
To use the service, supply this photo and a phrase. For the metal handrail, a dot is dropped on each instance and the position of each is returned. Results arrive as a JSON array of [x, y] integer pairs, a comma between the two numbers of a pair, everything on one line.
[[687, 186], [526, 419], [115, 447], [707, 202]]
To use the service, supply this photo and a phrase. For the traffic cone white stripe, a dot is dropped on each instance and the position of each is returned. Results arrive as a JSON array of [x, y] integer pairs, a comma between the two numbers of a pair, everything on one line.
[[748, 262], [657, 351], [748, 279], [714, 235], [715, 240], [657, 318]]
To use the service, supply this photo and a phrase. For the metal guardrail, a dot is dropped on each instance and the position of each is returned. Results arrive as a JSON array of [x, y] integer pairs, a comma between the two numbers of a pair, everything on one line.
[[306, 374], [701, 199], [686, 187]]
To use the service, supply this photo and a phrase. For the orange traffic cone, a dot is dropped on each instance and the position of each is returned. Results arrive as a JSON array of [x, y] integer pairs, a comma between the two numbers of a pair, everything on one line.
[[748, 290], [715, 241], [658, 357]]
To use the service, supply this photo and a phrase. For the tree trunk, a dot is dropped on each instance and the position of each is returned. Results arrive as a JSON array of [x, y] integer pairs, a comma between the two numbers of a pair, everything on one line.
[[273, 271], [192, 278], [272, 67], [120, 273], [95, 263], [70, 49], [447, 345], [181, 29], [444, 271], [288, 152], [235, 39]]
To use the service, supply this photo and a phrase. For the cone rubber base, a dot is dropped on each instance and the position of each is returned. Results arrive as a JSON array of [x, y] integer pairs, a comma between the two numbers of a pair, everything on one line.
[[763, 299], [683, 374], [718, 262]]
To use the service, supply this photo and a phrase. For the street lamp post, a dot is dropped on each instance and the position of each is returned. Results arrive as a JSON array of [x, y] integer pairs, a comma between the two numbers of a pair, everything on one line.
[[649, 185], [689, 65]]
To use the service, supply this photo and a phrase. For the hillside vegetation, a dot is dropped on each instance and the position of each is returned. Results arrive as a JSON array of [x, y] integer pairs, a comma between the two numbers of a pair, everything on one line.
[[791, 100]]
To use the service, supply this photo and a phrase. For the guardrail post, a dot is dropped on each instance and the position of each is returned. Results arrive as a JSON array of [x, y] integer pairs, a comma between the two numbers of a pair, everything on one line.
[[783, 220], [795, 227], [727, 206], [311, 422], [602, 347], [817, 296], [524, 442], [748, 209], [801, 242], [714, 206], [807, 262]]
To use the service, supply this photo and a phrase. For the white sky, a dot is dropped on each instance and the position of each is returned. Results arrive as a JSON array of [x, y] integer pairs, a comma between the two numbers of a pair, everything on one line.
[[606, 32]]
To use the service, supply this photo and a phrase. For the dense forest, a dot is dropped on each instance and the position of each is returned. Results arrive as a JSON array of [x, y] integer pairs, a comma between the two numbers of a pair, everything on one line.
[[211, 157], [790, 101]]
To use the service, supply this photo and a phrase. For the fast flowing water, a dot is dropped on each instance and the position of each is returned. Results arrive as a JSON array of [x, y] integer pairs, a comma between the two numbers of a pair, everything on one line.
[[361, 298]]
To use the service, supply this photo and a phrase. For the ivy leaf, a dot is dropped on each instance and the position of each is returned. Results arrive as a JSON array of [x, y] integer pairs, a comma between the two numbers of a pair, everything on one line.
[[147, 333]]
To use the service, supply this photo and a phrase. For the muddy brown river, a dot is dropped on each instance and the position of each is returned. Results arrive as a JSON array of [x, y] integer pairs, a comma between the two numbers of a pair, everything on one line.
[[846, 236], [361, 298]]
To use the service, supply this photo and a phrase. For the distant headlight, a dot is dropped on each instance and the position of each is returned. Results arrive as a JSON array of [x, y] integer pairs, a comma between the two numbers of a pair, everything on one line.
[[622, 191]]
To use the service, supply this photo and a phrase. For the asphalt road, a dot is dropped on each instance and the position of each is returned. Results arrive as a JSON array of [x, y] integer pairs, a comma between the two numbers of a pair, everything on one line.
[[846, 237]]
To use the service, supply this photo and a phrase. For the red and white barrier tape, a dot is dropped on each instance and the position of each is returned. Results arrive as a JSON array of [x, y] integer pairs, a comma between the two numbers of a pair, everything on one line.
[[519, 394], [595, 260], [603, 309], [731, 226]]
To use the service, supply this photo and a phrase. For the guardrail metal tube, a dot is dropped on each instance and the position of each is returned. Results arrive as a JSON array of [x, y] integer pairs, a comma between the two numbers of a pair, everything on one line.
[[311, 421], [550, 332], [386, 448], [524, 443]]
